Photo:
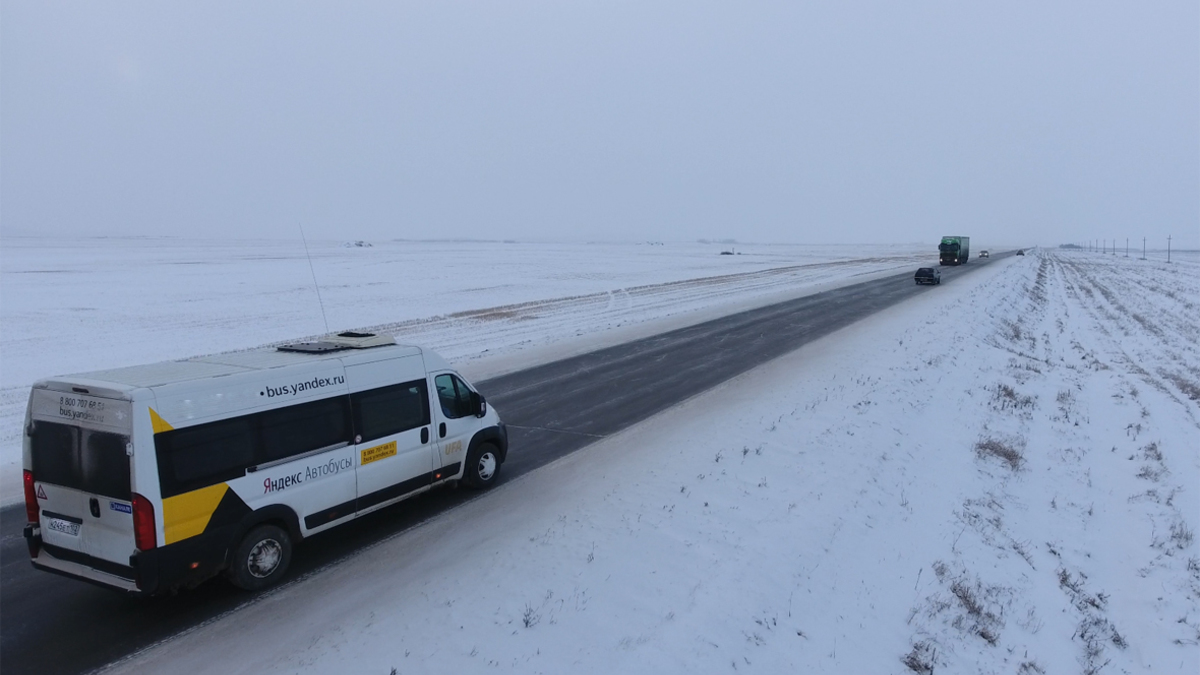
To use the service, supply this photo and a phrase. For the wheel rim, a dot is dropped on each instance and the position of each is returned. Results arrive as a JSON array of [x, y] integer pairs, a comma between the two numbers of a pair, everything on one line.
[[487, 466], [264, 558]]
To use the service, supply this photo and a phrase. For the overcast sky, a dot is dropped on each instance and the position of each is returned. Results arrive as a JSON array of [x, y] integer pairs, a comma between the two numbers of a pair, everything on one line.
[[833, 121]]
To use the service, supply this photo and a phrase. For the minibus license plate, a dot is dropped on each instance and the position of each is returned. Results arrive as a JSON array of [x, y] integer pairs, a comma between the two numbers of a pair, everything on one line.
[[64, 526]]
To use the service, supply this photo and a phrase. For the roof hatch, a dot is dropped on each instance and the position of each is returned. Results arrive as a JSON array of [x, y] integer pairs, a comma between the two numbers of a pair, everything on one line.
[[338, 342]]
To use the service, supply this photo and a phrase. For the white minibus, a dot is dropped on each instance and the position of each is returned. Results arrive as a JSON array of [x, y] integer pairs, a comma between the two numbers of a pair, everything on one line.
[[152, 478]]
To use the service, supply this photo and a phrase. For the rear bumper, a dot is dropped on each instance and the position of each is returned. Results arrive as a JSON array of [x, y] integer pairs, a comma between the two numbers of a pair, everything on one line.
[[186, 563], [78, 565]]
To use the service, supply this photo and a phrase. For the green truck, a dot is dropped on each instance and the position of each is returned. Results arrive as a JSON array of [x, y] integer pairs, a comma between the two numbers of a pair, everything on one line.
[[954, 250]]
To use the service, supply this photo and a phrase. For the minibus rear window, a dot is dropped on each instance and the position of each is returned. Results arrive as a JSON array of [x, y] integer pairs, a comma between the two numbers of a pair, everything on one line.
[[56, 454], [106, 465], [94, 462]]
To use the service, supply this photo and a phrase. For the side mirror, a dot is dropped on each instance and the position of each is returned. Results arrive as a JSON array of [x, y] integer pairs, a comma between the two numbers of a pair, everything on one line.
[[478, 404]]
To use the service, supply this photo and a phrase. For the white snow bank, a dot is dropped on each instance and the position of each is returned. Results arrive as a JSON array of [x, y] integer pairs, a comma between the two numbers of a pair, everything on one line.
[[998, 476]]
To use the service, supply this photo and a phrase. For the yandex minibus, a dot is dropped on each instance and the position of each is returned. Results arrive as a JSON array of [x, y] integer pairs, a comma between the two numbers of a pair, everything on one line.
[[151, 478]]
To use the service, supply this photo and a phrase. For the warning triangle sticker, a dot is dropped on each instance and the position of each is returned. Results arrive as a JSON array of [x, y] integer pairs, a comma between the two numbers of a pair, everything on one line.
[[41, 493]]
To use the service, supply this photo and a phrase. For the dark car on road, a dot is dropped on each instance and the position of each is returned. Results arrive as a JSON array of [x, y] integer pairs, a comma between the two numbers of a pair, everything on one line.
[[1020, 251], [928, 275]]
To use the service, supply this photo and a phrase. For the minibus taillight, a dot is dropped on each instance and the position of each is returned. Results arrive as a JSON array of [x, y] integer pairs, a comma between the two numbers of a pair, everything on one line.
[[31, 503], [143, 523]]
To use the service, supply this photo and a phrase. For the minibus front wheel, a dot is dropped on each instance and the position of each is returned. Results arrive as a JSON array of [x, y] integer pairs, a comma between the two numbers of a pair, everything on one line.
[[483, 465], [261, 559]]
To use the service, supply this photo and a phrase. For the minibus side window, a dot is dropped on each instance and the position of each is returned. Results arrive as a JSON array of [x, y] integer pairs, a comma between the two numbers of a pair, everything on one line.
[[195, 457], [390, 410], [454, 395], [298, 429], [211, 453]]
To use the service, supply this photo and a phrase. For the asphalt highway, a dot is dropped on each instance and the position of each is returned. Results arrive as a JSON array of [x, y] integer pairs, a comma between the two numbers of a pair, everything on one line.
[[51, 625]]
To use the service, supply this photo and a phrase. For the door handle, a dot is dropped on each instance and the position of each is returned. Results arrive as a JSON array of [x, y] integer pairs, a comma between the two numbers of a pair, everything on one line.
[[424, 435], [94, 507], [442, 430]]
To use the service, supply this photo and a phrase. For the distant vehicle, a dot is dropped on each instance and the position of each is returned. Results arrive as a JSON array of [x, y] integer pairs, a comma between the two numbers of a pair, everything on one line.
[[1020, 251], [984, 254], [954, 250], [156, 477], [928, 275]]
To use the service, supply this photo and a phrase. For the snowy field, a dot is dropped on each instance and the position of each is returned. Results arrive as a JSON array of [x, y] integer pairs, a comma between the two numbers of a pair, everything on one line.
[[998, 476], [74, 305]]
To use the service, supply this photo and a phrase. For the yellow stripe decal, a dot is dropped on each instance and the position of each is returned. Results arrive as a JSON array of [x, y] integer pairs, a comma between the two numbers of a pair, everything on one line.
[[187, 515], [160, 425]]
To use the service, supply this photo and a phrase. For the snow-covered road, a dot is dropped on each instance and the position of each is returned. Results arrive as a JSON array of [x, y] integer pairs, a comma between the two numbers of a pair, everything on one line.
[[999, 476], [489, 307]]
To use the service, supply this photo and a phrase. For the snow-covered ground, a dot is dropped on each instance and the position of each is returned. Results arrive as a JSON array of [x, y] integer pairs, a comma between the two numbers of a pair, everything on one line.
[[74, 305], [998, 476]]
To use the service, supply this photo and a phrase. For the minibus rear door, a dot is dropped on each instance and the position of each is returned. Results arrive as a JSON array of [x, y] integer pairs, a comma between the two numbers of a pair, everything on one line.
[[80, 460]]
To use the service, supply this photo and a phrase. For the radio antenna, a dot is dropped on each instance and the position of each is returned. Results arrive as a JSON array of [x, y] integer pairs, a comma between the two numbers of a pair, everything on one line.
[[314, 276]]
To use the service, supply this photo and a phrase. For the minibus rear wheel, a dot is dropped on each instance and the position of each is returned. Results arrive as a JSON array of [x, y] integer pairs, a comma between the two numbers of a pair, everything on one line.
[[483, 466], [261, 559]]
